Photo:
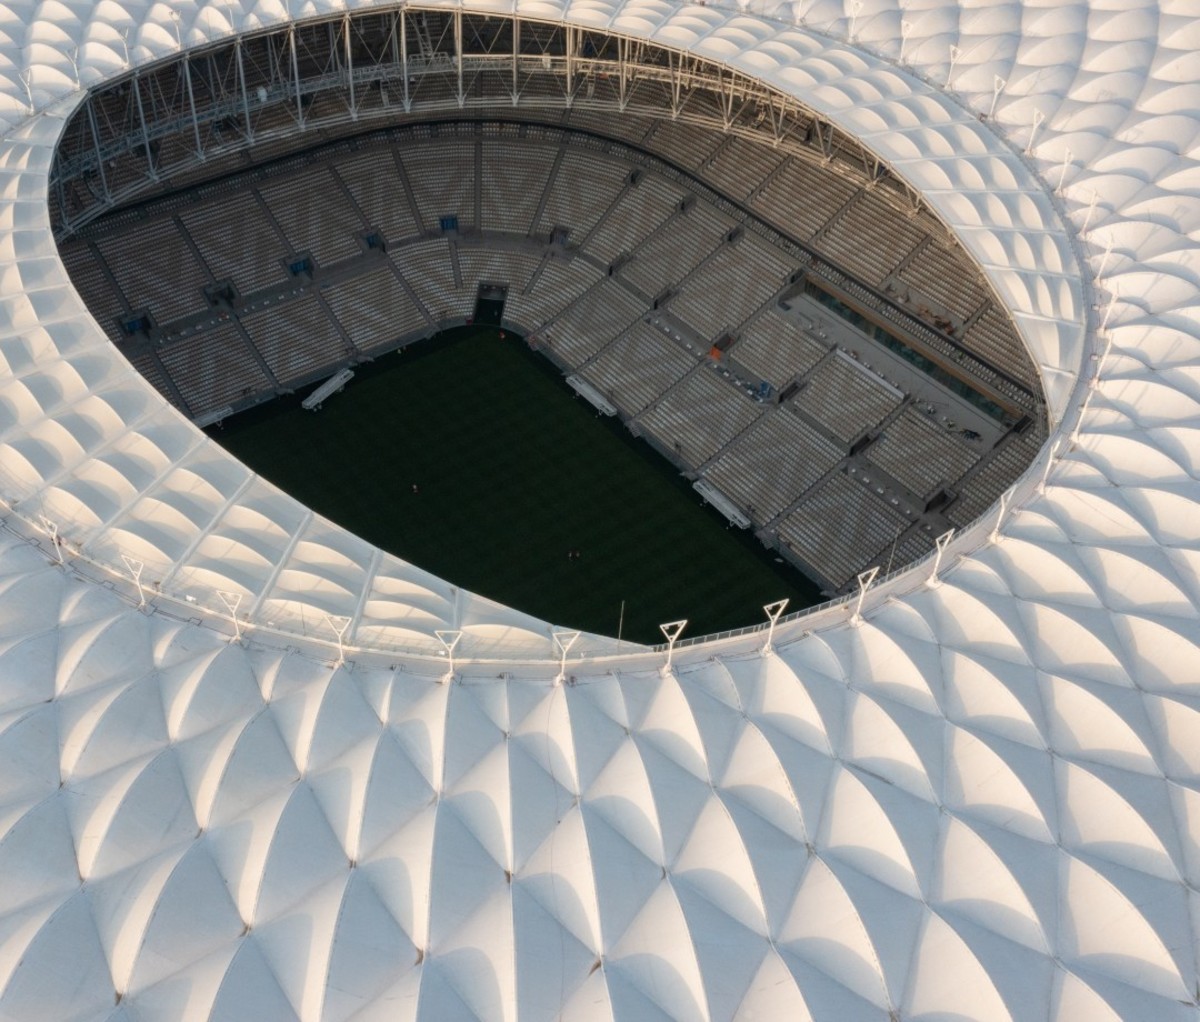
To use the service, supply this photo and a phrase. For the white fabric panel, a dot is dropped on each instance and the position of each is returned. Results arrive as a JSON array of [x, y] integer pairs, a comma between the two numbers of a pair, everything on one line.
[[978, 801]]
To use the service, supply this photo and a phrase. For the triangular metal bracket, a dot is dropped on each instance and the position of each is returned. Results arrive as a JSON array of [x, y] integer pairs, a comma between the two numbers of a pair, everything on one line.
[[672, 630], [563, 642], [449, 640], [773, 611]]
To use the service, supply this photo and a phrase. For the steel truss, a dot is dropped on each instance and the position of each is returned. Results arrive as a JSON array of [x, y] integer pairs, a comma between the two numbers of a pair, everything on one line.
[[160, 125]]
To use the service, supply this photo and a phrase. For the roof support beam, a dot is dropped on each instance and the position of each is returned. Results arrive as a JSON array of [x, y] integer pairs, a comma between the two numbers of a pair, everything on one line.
[[516, 53], [675, 63], [241, 73], [365, 595], [349, 55], [91, 112], [572, 48], [296, 76], [187, 81], [403, 22], [824, 133], [726, 82], [875, 168], [458, 55], [623, 46], [269, 585], [137, 95]]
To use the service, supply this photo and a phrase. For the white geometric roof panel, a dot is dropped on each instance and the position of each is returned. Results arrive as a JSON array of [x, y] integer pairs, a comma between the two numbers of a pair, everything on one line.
[[977, 798]]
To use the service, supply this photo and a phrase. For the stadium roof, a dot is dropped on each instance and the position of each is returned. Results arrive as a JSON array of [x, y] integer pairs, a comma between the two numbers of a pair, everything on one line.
[[975, 798]]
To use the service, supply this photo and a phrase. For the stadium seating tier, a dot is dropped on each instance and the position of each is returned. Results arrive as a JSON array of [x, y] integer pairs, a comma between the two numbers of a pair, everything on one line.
[[400, 230]]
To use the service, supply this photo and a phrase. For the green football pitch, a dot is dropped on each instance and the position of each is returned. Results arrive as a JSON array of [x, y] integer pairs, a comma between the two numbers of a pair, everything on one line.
[[469, 455]]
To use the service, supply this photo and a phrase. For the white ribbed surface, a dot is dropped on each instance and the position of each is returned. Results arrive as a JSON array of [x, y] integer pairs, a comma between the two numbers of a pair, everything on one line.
[[980, 802]]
